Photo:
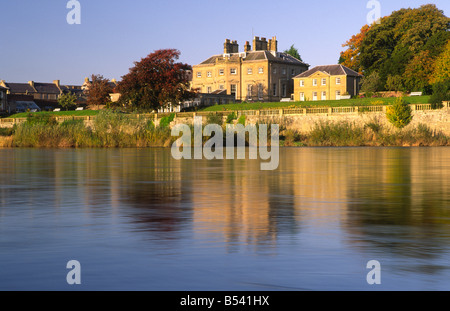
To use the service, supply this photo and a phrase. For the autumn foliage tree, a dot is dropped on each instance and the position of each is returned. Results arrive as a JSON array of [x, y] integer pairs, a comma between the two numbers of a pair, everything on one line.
[[98, 93], [155, 81], [350, 57]]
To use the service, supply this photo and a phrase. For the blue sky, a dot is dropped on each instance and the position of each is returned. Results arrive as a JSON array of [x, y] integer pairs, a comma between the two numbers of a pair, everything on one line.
[[38, 44]]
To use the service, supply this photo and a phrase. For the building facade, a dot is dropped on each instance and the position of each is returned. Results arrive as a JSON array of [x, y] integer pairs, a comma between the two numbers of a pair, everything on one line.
[[331, 82], [3, 98], [260, 73]]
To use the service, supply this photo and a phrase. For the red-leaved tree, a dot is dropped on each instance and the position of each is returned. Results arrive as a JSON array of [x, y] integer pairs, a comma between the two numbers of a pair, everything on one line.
[[98, 92], [156, 81]]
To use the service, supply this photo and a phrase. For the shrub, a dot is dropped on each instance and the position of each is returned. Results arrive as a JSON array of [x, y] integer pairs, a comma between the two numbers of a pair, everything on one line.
[[242, 120], [214, 118], [231, 117], [441, 92], [165, 121], [400, 113]]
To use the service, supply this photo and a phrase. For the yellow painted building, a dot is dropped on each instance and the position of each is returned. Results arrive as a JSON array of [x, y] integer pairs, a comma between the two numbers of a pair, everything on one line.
[[260, 73], [332, 82]]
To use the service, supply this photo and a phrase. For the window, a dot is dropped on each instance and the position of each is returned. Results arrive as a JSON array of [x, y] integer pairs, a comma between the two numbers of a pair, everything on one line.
[[284, 90], [221, 72], [208, 90], [274, 71], [302, 83], [338, 81], [261, 70], [324, 81], [209, 74], [249, 90], [260, 91], [324, 95], [274, 89], [233, 89], [233, 71], [314, 95], [302, 96], [338, 95], [293, 72], [199, 74], [314, 82], [249, 71], [283, 71]]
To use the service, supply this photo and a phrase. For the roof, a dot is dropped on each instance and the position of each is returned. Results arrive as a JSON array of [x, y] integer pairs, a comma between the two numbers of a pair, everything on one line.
[[332, 70], [257, 56], [20, 88], [3, 88], [48, 88]]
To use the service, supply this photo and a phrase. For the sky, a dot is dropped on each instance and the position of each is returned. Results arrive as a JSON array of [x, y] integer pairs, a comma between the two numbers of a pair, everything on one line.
[[38, 44]]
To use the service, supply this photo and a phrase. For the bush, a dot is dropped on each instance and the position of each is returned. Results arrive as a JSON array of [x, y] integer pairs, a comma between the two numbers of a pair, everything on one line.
[[165, 121], [231, 117], [400, 113], [242, 120], [214, 118], [441, 92]]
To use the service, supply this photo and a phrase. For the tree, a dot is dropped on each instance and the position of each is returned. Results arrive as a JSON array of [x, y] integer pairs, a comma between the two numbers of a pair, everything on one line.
[[397, 45], [350, 57], [394, 83], [400, 113], [99, 91], [293, 52], [67, 100], [442, 66], [371, 83], [441, 92], [155, 81]]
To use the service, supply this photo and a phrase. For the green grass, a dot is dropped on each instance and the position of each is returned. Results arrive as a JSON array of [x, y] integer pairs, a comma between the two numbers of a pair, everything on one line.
[[56, 113], [312, 104]]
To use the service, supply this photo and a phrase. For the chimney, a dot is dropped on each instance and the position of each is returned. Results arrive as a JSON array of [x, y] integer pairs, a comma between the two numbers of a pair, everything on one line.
[[31, 83], [247, 47], [57, 82], [273, 44], [259, 44], [230, 47]]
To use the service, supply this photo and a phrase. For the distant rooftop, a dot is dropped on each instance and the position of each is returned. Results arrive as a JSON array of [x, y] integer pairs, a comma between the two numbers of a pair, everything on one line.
[[332, 70]]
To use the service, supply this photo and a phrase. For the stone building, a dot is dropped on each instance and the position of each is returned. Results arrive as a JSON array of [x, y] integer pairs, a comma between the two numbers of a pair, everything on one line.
[[3, 98], [259, 73], [331, 82]]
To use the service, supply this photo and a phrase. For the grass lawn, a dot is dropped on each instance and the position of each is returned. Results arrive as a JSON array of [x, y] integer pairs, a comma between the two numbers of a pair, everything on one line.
[[57, 113], [313, 104]]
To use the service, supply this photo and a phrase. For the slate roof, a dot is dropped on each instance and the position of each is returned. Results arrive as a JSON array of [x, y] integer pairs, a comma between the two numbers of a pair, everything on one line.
[[256, 56], [333, 70], [20, 88], [47, 88]]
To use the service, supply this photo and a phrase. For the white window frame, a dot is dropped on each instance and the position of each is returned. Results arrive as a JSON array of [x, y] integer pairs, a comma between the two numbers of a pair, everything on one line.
[[338, 95], [199, 74], [249, 90], [314, 82], [314, 97], [221, 72], [324, 81], [324, 95], [338, 81], [233, 71], [261, 70], [209, 74], [249, 71], [302, 83]]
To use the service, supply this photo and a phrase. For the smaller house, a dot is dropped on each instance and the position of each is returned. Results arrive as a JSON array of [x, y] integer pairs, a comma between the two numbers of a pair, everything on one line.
[[331, 82]]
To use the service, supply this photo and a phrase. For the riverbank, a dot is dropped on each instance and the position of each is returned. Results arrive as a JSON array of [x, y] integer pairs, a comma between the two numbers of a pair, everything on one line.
[[115, 130]]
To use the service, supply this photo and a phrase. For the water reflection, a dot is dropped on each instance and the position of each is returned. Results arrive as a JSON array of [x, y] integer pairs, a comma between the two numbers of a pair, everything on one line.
[[327, 203]]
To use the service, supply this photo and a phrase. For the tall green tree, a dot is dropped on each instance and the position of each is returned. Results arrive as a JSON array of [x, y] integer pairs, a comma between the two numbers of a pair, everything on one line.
[[67, 101], [293, 51]]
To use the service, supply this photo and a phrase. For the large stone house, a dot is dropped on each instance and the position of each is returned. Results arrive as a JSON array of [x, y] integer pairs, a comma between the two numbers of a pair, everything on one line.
[[329, 82], [260, 73]]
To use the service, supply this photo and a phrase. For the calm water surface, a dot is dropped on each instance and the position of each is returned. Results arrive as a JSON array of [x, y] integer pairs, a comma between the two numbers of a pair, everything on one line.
[[139, 220]]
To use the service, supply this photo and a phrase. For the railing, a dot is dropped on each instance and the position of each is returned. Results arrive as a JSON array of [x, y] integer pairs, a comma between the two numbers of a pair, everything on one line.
[[263, 112]]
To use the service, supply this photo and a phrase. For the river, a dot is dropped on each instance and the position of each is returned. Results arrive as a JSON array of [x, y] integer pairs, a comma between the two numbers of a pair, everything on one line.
[[137, 219]]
